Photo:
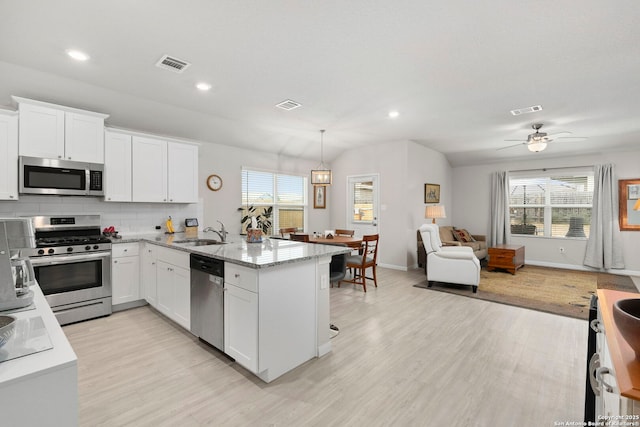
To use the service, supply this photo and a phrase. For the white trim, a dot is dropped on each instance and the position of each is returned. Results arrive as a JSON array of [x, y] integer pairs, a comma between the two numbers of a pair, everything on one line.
[[394, 267], [20, 100]]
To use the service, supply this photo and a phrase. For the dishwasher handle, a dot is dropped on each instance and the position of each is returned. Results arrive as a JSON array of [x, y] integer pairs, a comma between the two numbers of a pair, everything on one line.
[[205, 264]]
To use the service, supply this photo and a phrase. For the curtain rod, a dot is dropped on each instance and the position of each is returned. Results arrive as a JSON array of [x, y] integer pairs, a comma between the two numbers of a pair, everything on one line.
[[548, 169]]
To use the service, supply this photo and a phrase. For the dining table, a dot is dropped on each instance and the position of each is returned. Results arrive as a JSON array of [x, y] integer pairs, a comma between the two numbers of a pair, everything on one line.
[[352, 242]]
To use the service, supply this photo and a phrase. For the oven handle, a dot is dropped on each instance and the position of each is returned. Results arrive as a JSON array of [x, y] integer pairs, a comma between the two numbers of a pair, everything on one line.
[[65, 259]]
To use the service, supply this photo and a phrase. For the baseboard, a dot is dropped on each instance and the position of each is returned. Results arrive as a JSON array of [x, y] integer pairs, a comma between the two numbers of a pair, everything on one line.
[[620, 272], [393, 267], [324, 349], [128, 305]]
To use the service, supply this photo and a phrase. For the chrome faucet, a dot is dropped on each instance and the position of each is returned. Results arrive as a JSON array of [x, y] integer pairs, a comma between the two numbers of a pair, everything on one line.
[[222, 233]]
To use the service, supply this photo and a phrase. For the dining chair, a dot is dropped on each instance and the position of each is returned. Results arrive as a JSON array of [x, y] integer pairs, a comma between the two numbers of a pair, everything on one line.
[[299, 237], [367, 259], [288, 230], [348, 233]]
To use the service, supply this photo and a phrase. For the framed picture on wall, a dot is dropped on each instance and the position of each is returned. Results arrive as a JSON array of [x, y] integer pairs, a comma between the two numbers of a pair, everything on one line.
[[432, 193], [629, 204], [319, 196]]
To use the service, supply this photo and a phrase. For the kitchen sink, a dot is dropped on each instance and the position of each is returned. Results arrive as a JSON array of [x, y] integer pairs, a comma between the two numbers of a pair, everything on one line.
[[199, 242]]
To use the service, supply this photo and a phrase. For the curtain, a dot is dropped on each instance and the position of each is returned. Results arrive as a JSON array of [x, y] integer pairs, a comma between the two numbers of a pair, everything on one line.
[[500, 227], [604, 247]]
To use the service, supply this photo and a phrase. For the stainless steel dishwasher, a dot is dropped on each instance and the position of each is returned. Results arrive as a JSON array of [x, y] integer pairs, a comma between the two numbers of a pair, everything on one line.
[[207, 300]]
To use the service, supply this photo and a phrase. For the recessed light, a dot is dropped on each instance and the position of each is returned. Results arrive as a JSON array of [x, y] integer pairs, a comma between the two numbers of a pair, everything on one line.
[[77, 55], [203, 86], [393, 114]]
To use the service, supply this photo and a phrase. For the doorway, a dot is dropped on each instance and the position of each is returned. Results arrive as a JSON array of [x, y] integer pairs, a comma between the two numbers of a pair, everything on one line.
[[362, 203]]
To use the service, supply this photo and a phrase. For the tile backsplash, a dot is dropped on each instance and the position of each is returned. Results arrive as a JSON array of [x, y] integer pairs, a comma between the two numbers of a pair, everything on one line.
[[125, 217]]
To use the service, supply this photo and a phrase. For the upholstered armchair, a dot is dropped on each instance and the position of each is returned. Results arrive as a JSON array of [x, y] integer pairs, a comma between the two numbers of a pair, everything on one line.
[[449, 264]]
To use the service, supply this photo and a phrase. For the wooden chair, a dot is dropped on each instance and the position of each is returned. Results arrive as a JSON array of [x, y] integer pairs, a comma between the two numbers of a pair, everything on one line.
[[299, 237], [289, 231], [348, 233], [367, 259]]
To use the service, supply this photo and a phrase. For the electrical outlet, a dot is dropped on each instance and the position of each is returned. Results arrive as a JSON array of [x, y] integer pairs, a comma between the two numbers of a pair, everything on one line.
[[561, 250]]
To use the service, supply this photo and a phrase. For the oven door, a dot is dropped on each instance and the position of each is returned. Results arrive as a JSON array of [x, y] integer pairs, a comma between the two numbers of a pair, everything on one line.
[[68, 279]]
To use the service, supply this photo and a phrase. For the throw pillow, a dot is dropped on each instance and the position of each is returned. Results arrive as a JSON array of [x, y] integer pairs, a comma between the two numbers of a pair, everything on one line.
[[462, 235]]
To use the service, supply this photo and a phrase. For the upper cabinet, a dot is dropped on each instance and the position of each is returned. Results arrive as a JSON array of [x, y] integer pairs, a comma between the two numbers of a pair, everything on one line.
[[145, 168], [117, 167], [149, 170], [8, 155], [182, 172], [57, 132]]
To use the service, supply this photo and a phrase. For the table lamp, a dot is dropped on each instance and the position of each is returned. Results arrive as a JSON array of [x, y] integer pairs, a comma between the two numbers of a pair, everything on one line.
[[435, 211]]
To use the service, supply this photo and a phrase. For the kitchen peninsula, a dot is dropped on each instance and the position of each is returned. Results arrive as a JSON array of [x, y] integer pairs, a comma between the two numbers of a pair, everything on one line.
[[276, 295]]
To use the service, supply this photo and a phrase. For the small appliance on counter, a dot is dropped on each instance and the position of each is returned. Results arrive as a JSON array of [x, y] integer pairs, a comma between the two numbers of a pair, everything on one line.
[[191, 227], [16, 273]]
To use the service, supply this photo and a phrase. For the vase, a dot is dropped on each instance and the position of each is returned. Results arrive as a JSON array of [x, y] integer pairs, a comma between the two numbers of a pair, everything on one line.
[[254, 235]]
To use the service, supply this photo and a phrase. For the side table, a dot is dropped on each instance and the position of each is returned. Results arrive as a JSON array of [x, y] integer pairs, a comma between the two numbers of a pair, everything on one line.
[[507, 257]]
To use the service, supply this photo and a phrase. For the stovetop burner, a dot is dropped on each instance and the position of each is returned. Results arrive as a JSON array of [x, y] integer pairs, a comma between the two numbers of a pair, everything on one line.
[[72, 240]]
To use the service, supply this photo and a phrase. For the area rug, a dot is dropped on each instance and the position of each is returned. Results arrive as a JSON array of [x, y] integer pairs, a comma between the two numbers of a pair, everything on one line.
[[553, 290]]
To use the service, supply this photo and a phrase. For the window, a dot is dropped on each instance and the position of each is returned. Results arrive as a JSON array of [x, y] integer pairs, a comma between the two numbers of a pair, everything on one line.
[[285, 194], [551, 205]]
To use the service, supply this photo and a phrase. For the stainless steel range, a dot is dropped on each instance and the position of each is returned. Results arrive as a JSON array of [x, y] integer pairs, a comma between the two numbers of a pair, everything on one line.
[[72, 263]]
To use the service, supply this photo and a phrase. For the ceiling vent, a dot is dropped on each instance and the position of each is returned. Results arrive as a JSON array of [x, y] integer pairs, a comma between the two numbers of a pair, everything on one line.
[[526, 110], [288, 105], [171, 63]]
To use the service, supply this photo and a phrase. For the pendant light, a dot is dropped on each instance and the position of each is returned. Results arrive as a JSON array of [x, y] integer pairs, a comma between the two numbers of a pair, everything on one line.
[[321, 175]]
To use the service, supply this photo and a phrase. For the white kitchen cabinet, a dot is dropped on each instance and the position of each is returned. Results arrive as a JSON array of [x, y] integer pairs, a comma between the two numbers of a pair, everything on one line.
[[173, 280], [57, 132], [264, 331], [8, 155], [182, 173], [149, 274], [117, 167], [164, 171], [125, 273], [241, 326], [149, 159]]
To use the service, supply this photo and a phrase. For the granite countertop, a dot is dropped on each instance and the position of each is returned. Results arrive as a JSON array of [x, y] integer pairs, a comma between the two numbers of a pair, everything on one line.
[[269, 253]]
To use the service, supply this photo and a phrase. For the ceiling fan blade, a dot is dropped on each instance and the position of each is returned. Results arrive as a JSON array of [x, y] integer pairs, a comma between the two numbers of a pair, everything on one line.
[[514, 140], [577, 138], [558, 133], [511, 146]]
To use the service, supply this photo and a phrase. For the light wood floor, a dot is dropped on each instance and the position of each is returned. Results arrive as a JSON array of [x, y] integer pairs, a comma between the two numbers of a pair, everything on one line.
[[404, 357]]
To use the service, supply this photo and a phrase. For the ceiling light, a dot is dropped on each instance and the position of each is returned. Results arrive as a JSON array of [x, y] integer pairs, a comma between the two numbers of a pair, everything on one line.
[[77, 55], [537, 146], [393, 114], [203, 86], [321, 175], [532, 109]]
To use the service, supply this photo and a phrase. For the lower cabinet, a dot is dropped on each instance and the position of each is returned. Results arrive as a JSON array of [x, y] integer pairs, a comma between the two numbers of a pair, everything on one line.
[[125, 273], [270, 317], [173, 280], [241, 326], [149, 275]]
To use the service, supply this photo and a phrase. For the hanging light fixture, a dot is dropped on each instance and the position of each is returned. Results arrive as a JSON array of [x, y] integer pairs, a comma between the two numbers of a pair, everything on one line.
[[321, 175]]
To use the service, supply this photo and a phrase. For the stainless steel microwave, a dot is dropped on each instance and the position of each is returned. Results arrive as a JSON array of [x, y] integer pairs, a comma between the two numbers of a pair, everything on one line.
[[61, 177]]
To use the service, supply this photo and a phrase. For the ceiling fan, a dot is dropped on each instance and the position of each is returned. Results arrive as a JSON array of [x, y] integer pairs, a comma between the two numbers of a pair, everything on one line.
[[537, 141]]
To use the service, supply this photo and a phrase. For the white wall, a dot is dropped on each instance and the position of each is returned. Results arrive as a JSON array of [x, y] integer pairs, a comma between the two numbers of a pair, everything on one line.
[[227, 162], [404, 167], [471, 189]]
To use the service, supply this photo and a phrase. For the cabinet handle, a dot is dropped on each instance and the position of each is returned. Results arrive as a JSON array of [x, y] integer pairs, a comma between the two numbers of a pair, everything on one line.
[[59, 157], [115, 261], [594, 365], [69, 158], [596, 325], [599, 373], [236, 275], [126, 250], [11, 196], [153, 263]]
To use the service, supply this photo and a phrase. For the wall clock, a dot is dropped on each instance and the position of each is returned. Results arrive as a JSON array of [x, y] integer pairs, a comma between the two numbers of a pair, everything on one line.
[[214, 182]]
